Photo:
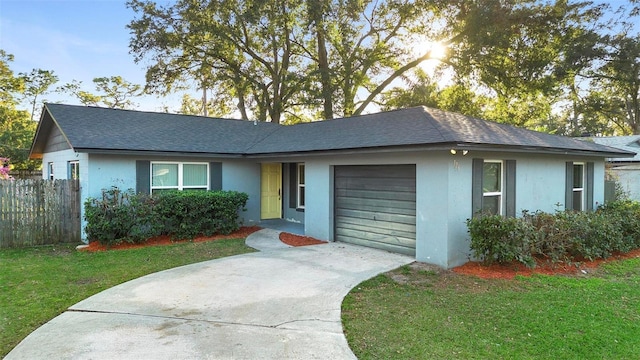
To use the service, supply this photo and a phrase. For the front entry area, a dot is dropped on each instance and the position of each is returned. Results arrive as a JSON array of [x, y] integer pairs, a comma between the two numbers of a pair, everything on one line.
[[375, 206], [271, 191]]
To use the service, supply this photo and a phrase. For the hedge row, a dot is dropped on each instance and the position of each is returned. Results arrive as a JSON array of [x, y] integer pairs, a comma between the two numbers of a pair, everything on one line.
[[563, 236], [123, 216]]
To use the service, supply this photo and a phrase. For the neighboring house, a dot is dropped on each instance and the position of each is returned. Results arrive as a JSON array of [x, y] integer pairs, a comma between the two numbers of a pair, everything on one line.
[[404, 180], [625, 170]]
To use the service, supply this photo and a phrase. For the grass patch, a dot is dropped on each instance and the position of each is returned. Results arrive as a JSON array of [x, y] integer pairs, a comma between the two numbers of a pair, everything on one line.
[[39, 283], [413, 313]]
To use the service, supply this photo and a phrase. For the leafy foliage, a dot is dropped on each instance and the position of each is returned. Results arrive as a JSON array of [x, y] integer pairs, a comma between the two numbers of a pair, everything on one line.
[[121, 216], [563, 236], [37, 83], [16, 128], [186, 214], [113, 92], [125, 216]]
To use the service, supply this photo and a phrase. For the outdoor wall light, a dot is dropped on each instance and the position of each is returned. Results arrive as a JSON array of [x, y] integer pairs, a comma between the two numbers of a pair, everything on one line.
[[454, 151]]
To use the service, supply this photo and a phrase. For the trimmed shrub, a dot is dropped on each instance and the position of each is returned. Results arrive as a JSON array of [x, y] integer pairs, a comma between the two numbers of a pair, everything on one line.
[[120, 216], [625, 214], [186, 214], [498, 239], [125, 216], [563, 236]]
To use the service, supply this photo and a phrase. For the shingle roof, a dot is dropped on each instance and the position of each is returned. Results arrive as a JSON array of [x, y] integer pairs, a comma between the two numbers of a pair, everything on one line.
[[94, 128], [627, 143], [417, 126], [102, 129]]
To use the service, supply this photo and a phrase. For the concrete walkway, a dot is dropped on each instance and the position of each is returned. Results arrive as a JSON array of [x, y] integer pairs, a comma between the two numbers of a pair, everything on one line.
[[280, 303]]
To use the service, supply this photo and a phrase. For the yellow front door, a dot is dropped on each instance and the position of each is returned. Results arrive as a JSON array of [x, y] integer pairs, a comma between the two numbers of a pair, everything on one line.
[[271, 191]]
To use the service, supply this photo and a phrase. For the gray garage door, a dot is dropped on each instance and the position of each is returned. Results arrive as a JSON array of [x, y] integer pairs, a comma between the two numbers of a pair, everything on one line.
[[376, 206]]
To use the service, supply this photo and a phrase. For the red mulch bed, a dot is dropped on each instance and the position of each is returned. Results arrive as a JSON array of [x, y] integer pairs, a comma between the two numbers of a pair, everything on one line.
[[509, 271], [243, 232], [299, 240]]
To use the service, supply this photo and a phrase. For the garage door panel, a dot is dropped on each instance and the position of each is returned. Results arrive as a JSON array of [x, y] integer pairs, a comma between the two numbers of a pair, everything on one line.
[[374, 171], [399, 245], [372, 194], [375, 206], [399, 185], [402, 207], [376, 216], [379, 227]]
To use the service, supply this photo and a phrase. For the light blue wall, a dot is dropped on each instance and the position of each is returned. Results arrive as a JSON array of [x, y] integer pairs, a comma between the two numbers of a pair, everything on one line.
[[105, 171], [244, 176], [443, 189], [443, 194]]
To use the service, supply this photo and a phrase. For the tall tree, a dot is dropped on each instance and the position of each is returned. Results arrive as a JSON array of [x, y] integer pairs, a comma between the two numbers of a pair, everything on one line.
[[37, 83], [245, 46], [113, 92], [280, 56], [16, 128], [116, 92], [619, 77]]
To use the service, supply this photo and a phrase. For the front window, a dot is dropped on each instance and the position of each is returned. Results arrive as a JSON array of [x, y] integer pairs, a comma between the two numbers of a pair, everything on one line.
[[578, 187], [179, 176], [301, 186], [492, 187], [74, 170], [50, 171]]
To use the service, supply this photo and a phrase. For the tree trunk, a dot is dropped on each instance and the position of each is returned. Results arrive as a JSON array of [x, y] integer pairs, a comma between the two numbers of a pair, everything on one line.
[[325, 77]]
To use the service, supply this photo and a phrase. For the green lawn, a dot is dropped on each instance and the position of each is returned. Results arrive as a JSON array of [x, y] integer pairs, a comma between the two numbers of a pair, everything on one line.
[[423, 313], [37, 284], [414, 312]]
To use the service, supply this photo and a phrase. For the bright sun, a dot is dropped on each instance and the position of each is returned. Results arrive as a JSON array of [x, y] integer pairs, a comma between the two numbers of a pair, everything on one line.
[[438, 51]]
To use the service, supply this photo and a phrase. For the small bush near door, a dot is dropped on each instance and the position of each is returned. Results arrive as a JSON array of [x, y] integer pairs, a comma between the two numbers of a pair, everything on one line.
[[123, 216], [563, 236]]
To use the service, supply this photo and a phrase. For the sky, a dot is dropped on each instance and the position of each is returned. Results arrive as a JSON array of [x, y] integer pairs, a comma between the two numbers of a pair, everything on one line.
[[78, 40]]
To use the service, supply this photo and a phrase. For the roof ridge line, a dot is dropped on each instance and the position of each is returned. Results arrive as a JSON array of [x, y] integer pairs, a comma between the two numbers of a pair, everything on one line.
[[276, 128]]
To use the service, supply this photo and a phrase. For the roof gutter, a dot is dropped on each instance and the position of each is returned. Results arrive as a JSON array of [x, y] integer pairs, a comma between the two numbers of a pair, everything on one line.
[[156, 153], [447, 147]]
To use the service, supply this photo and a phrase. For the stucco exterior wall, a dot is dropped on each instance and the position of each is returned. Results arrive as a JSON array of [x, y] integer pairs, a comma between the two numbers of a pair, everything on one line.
[[60, 160], [443, 194], [244, 176], [443, 189], [105, 171]]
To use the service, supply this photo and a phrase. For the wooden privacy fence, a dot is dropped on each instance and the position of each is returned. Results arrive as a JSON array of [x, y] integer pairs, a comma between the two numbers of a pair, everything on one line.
[[39, 212]]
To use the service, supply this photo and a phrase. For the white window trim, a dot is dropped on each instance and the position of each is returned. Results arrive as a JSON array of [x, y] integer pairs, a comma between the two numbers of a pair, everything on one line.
[[497, 193], [580, 189], [180, 185], [300, 186], [70, 168]]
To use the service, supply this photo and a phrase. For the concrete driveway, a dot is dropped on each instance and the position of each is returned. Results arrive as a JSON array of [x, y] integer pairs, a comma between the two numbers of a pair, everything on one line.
[[280, 303]]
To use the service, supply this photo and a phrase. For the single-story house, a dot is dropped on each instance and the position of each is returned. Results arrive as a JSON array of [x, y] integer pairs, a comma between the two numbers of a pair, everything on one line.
[[405, 180], [625, 170]]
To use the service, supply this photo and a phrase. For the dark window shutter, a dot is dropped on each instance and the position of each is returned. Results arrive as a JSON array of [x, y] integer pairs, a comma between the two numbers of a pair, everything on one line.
[[476, 186], [215, 176], [293, 185], [589, 186], [568, 196], [510, 188], [143, 177]]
